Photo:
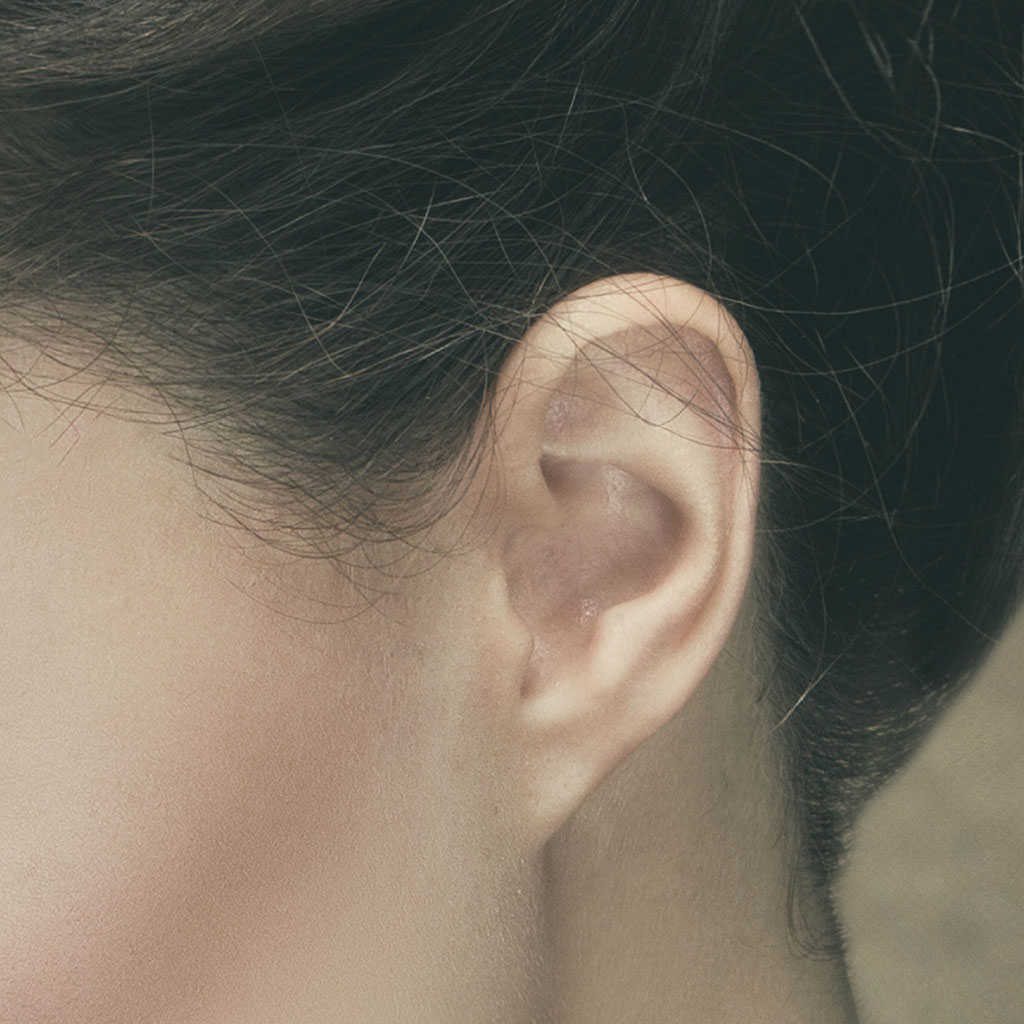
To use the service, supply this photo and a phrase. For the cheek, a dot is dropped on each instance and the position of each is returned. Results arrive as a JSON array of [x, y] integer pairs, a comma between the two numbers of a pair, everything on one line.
[[175, 760]]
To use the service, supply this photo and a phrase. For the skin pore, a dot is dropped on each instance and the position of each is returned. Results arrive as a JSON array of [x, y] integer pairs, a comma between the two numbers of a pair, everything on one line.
[[523, 775]]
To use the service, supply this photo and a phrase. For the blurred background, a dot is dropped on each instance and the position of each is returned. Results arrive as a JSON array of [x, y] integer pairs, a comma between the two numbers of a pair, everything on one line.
[[933, 895]]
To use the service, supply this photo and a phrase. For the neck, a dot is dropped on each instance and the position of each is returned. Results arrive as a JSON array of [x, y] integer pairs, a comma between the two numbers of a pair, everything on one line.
[[670, 891]]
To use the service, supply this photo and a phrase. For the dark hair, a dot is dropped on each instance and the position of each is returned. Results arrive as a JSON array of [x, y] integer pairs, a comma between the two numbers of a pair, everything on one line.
[[317, 229]]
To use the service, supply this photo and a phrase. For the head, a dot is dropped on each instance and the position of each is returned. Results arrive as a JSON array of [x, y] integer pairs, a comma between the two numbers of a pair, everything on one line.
[[409, 413]]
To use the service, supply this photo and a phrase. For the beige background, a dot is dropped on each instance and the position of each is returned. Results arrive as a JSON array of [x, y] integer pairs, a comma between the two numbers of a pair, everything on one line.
[[933, 898]]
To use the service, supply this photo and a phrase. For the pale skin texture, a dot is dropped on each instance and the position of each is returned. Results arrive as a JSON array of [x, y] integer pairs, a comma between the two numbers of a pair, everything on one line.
[[235, 790]]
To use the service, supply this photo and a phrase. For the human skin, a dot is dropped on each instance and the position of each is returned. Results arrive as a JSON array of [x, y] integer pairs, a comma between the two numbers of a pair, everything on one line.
[[205, 740], [240, 784]]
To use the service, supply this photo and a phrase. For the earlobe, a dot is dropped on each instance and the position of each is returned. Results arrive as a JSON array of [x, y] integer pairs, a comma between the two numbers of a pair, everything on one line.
[[626, 432]]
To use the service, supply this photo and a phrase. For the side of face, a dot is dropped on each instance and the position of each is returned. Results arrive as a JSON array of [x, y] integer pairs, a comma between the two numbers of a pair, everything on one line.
[[211, 752], [246, 785]]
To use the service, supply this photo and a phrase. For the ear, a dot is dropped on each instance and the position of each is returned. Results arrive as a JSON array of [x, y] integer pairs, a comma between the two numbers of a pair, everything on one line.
[[627, 454]]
